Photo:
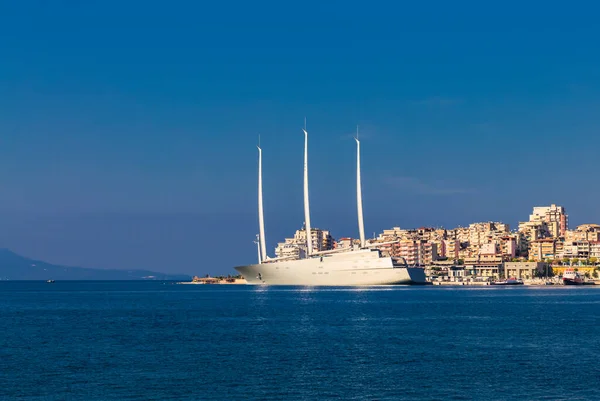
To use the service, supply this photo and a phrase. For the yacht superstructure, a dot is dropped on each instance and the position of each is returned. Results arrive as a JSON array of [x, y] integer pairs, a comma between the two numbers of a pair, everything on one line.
[[354, 266]]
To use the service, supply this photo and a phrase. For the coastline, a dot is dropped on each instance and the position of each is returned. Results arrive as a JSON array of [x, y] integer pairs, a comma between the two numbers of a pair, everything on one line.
[[525, 284], [236, 281]]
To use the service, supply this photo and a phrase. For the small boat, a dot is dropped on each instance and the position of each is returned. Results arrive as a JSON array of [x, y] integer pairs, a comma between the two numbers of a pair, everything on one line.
[[508, 281], [49, 281], [572, 277]]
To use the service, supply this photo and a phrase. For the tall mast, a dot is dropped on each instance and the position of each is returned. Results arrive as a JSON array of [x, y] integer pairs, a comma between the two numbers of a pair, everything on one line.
[[359, 207], [306, 205], [261, 220]]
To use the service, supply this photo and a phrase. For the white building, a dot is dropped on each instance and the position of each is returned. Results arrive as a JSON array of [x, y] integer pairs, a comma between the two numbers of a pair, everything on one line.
[[296, 246]]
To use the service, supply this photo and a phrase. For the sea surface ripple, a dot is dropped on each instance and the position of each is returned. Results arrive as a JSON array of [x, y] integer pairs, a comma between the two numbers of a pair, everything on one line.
[[162, 341]]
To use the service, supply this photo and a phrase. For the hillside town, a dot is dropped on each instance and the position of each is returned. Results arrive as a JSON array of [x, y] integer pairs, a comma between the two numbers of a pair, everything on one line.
[[542, 246]]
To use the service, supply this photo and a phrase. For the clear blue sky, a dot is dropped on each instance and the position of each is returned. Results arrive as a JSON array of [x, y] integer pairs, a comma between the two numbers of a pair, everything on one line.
[[128, 128]]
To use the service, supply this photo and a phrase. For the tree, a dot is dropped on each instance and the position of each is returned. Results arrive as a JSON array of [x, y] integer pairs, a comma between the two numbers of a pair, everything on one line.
[[593, 261], [545, 271], [565, 261], [595, 274], [575, 261]]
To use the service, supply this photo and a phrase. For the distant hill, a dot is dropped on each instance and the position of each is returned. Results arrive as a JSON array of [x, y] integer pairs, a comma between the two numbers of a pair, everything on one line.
[[17, 267]]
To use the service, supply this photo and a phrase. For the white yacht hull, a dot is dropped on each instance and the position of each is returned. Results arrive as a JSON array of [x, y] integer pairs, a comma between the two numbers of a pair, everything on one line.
[[353, 268]]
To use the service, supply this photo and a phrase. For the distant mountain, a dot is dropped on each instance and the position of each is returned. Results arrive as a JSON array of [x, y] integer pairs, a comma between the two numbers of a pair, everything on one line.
[[17, 267]]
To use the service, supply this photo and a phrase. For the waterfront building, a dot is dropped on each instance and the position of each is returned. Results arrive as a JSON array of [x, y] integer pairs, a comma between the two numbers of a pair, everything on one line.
[[483, 247], [487, 266], [526, 270], [456, 273]]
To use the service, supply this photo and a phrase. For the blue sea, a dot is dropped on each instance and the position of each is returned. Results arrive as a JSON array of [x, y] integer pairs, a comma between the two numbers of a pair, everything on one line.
[[164, 341]]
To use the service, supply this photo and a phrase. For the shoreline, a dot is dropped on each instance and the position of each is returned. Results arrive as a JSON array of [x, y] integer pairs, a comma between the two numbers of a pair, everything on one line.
[[486, 284], [219, 282]]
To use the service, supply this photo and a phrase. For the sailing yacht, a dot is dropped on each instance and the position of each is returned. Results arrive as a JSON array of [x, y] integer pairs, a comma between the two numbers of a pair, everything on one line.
[[355, 266]]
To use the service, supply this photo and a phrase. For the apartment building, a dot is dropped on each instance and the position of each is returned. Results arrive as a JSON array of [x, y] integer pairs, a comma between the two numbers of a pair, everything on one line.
[[344, 242], [545, 221], [577, 249], [449, 248], [595, 249], [508, 246], [542, 249], [392, 234], [584, 232], [296, 246], [327, 241], [414, 252]]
